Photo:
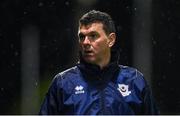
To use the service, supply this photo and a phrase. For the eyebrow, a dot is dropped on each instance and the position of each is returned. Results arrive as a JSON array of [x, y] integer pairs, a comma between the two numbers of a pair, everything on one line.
[[80, 34], [92, 32]]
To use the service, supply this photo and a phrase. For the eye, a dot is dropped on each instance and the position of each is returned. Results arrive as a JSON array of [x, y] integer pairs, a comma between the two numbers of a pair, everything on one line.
[[93, 36], [81, 37]]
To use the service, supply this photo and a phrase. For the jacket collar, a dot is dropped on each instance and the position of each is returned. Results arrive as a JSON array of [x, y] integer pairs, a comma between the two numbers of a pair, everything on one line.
[[95, 75]]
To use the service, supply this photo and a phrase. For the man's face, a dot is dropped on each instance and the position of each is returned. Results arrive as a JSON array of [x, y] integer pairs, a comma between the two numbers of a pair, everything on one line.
[[94, 43]]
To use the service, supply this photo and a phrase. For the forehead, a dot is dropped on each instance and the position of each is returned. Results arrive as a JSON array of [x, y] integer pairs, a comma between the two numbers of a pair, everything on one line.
[[97, 26]]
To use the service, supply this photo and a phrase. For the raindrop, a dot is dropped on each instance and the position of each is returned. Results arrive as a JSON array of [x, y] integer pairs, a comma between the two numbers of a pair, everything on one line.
[[14, 104], [162, 14], [53, 2], [135, 8], [16, 53], [12, 46], [36, 83], [12, 64], [67, 3], [164, 76], [2, 89], [154, 42], [87, 2], [159, 84], [169, 61], [172, 89], [40, 4], [169, 18], [25, 12], [170, 54]]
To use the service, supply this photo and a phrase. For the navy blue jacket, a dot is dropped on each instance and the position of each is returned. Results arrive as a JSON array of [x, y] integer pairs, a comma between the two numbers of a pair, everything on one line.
[[86, 89]]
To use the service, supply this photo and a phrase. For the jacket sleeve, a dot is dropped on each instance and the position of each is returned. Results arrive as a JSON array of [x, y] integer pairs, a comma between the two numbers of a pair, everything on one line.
[[52, 102], [149, 104]]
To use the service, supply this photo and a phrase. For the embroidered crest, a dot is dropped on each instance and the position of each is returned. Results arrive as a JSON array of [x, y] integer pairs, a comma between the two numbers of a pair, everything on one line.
[[124, 89]]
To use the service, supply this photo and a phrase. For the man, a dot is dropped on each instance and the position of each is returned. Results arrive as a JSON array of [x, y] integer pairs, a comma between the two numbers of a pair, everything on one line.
[[98, 85]]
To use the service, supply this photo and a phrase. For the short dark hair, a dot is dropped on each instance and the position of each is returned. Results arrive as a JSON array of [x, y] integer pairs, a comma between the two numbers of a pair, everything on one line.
[[98, 16]]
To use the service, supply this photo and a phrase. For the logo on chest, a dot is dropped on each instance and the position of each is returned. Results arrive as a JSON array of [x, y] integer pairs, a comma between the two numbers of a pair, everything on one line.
[[79, 89], [124, 89]]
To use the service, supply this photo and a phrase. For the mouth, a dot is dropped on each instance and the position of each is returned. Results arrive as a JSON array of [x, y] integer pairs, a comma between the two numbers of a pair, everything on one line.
[[88, 53]]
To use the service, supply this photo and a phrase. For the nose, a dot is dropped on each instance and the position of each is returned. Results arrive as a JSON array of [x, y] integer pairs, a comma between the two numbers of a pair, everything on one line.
[[86, 41], [86, 44]]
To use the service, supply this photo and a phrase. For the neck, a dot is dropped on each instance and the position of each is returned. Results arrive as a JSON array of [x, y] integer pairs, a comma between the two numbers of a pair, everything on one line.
[[105, 61]]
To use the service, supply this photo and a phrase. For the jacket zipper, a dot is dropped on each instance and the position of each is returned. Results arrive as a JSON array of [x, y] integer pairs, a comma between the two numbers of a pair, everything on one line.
[[102, 95], [102, 99]]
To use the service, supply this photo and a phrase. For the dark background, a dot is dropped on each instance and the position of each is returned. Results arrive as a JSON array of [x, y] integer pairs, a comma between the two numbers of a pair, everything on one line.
[[57, 21]]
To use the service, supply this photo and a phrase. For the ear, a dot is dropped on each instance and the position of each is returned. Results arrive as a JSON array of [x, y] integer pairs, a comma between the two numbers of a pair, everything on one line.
[[112, 39]]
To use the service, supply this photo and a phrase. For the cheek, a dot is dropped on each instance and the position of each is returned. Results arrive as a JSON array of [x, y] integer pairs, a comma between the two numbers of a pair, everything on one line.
[[80, 46], [100, 46]]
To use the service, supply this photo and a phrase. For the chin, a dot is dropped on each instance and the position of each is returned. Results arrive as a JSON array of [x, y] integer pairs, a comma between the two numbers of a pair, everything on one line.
[[89, 60]]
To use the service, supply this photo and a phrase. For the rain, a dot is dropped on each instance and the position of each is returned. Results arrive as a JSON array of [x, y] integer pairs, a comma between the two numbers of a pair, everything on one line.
[[38, 39]]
